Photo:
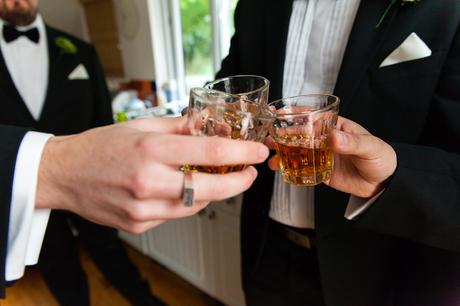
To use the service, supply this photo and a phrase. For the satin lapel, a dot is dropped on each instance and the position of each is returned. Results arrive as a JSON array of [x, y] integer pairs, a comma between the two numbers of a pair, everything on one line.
[[13, 96], [55, 57], [362, 47], [60, 65], [365, 39], [276, 32]]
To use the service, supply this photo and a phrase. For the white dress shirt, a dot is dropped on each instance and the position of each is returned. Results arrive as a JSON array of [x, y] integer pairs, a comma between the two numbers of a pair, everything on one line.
[[28, 65], [317, 37], [27, 225]]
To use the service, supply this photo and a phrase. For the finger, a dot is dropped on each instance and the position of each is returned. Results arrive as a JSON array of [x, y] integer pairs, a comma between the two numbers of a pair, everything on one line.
[[362, 146], [346, 125], [145, 185], [217, 187], [137, 213], [182, 149], [274, 163], [154, 212], [175, 125], [207, 187], [139, 227], [164, 210]]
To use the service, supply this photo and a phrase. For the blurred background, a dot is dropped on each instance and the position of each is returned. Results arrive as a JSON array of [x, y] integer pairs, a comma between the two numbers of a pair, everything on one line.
[[159, 48], [153, 52]]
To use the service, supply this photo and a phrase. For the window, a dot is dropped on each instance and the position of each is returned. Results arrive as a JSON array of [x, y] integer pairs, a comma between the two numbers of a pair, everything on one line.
[[207, 26], [196, 41], [201, 31]]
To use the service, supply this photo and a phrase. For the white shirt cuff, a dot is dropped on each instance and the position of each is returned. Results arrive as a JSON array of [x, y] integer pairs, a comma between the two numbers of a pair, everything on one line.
[[356, 206], [27, 225]]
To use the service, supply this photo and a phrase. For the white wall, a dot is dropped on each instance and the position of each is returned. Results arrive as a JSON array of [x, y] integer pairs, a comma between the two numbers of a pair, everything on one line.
[[134, 18], [66, 15]]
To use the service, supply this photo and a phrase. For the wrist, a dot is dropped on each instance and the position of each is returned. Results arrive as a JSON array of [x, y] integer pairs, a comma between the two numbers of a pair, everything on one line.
[[392, 164], [52, 175]]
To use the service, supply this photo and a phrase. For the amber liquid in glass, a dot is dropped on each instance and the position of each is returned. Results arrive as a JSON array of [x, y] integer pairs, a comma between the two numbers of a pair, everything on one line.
[[231, 128], [214, 169], [304, 162]]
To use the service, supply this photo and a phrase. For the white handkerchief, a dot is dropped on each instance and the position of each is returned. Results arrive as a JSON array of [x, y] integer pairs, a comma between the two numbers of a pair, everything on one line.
[[79, 73], [411, 49]]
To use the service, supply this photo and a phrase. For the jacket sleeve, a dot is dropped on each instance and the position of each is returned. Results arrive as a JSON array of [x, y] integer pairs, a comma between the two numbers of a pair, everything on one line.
[[422, 200], [11, 139]]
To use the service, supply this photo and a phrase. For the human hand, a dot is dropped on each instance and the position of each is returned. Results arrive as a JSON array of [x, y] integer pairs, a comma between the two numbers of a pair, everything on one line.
[[362, 162], [127, 175]]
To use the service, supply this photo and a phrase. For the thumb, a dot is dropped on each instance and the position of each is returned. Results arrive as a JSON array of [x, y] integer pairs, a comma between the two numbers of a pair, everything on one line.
[[363, 146]]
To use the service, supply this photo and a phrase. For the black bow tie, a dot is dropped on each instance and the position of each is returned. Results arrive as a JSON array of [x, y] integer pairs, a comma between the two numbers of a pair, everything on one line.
[[11, 34]]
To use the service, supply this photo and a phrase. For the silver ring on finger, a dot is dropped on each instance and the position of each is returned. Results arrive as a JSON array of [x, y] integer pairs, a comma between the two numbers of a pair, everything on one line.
[[188, 193]]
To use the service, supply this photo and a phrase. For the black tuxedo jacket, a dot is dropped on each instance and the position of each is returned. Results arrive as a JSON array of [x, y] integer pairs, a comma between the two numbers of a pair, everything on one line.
[[405, 249], [11, 139], [71, 106]]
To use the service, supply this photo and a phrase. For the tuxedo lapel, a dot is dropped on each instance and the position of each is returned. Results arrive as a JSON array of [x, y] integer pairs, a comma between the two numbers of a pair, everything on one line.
[[55, 57], [13, 97], [276, 32], [60, 65], [363, 44], [365, 40]]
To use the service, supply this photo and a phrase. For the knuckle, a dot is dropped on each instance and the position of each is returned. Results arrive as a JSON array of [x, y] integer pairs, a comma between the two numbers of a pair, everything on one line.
[[151, 147], [134, 228], [139, 229], [125, 226], [143, 147], [135, 214], [139, 186]]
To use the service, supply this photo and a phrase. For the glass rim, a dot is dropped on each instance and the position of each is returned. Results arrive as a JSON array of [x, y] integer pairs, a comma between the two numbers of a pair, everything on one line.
[[321, 110], [209, 90], [265, 86], [236, 98]]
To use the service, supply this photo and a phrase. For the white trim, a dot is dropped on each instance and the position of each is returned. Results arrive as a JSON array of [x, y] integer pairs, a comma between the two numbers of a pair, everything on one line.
[[220, 21], [162, 40], [170, 24], [176, 32], [216, 40]]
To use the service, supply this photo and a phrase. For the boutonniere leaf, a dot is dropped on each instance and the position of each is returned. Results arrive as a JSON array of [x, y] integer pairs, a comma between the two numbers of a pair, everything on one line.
[[393, 2], [66, 45]]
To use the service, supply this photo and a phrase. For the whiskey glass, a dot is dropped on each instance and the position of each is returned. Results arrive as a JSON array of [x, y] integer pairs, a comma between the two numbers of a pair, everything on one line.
[[213, 113], [250, 87], [300, 131]]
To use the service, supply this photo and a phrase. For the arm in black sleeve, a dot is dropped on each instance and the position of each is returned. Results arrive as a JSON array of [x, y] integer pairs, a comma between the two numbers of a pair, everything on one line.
[[11, 139], [422, 201]]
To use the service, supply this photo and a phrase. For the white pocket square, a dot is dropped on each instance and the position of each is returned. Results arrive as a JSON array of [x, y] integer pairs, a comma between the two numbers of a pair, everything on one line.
[[411, 49], [79, 73]]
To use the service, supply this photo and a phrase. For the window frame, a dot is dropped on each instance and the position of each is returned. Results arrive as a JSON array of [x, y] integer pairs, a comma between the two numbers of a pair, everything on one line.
[[171, 27]]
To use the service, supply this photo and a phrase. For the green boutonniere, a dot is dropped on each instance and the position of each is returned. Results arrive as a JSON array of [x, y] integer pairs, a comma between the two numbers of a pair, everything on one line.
[[66, 45], [393, 2]]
